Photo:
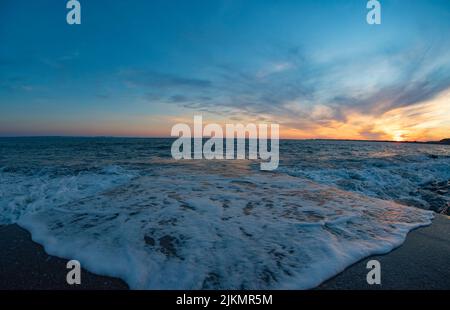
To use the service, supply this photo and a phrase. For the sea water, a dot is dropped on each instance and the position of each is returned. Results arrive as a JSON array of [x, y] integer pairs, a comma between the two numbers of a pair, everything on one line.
[[125, 208]]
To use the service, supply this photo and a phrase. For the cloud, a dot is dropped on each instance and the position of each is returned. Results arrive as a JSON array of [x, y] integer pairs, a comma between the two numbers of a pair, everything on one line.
[[62, 61], [274, 68], [16, 84], [313, 97], [141, 78], [178, 99]]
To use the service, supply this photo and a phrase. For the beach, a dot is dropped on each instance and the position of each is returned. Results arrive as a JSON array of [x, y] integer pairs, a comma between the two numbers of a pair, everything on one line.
[[420, 263], [125, 209], [24, 265], [224, 146]]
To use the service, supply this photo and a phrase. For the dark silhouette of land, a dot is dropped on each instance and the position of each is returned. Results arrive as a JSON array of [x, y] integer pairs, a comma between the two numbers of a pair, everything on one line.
[[442, 142]]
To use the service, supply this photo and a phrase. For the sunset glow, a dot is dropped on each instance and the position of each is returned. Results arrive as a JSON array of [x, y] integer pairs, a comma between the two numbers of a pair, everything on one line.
[[384, 82], [242, 149]]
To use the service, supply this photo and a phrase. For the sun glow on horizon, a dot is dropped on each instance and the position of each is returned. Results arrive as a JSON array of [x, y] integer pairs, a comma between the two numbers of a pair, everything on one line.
[[425, 121]]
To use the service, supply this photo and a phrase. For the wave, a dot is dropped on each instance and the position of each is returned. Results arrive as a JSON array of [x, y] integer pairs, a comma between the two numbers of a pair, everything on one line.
[[390, 172], [204, 225]]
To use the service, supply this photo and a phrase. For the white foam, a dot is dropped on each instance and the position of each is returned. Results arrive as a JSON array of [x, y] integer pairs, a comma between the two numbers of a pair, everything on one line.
[[389, 172], [208, 225]]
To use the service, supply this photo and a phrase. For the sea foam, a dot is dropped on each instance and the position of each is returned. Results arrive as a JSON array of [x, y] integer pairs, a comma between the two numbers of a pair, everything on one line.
[[199, 224]]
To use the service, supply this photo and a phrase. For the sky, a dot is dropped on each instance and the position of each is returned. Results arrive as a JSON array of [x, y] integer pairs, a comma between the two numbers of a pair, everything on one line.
[[136, 68]]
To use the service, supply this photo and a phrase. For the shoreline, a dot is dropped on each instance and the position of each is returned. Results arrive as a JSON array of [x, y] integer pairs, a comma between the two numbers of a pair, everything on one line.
[[24, 265], [421, 262]]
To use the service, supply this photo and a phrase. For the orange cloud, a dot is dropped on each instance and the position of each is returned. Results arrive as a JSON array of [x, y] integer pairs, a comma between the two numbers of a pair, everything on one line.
[[424, 121]]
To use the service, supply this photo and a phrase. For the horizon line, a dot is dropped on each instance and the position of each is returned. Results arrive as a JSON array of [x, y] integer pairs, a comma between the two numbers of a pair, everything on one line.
[[170, 137]]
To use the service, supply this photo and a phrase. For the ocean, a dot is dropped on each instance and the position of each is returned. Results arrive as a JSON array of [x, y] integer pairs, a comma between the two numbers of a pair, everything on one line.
[[124, 208]]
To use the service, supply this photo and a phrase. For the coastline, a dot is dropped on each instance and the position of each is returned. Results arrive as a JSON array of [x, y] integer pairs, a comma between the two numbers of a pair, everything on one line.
[[421, 262], [24, 265]]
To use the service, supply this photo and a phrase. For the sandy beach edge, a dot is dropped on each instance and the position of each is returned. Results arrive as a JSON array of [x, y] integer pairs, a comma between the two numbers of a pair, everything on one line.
[[421, 263], [24, 265]]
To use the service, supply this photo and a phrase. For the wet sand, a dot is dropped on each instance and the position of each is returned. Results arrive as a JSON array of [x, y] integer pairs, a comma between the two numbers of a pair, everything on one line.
[[24, 265], [422, 262]]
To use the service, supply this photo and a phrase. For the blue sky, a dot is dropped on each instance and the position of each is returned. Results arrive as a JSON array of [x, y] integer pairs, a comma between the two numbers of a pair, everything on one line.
[[134, 68]]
